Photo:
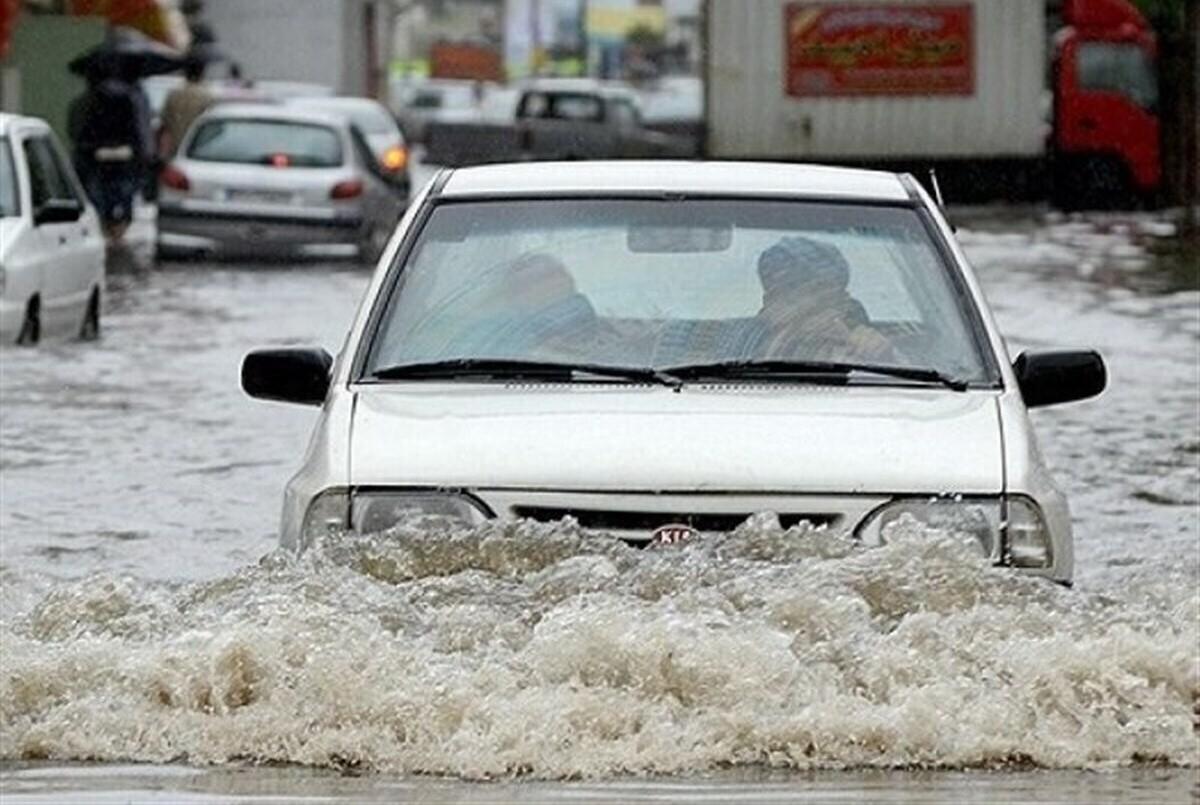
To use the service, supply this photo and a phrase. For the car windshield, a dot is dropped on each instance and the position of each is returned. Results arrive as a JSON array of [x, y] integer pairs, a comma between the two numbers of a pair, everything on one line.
[[10, 205], [266, 142], [662, 284]]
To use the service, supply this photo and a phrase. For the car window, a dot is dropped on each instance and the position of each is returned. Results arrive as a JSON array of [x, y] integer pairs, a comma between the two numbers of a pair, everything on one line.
[[624, 114], [10, 199], [266, 142], [642, 283], [576, 107], [426, 99], [46, 179], [66, 184], [1120, 67], [363, 149]]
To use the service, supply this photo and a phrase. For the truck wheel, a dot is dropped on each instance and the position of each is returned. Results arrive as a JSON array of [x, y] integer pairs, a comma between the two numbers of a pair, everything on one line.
[[1094, 182], [31, 327]]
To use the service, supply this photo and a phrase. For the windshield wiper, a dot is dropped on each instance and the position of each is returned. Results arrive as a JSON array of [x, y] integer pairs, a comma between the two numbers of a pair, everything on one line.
[[509, 369], [783, 369]]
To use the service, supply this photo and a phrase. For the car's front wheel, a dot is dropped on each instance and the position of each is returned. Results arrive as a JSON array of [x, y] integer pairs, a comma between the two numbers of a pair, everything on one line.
[[31, 327], [90, 329], [371, 246]]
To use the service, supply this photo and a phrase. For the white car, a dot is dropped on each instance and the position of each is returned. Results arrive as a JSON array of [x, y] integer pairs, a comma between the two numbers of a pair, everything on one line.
[[51, 246], [275, 179], [663, 349]]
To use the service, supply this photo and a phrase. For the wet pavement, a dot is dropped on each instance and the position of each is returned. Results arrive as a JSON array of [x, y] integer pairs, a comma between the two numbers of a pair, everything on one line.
[[140, 492]]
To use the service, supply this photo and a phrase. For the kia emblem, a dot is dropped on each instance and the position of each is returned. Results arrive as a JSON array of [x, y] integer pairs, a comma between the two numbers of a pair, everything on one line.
[[672, 533]]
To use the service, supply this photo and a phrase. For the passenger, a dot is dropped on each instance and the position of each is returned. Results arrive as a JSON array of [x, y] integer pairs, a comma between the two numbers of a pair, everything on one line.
[[807, 313], [533, 310], [183, 105]]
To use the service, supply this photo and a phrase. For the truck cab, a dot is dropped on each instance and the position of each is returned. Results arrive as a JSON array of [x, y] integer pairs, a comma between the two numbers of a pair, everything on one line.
[[1106, 130]]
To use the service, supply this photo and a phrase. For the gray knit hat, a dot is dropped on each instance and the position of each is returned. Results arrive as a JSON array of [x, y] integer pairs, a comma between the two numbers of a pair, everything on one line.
[[797, 260]]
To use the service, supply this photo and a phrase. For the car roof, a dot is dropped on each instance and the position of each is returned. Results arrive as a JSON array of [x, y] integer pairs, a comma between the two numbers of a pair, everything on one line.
[[269, 110], [9, 121], [675, 176], [335, 102]]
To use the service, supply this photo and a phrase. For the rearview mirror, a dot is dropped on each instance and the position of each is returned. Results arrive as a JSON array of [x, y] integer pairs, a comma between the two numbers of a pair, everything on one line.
[[1049, 378], [58, 211], [287, 375]]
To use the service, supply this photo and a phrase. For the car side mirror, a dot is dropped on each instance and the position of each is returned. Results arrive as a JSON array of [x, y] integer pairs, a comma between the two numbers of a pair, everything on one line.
[[58, 211], [287, 375], [1050, 378]]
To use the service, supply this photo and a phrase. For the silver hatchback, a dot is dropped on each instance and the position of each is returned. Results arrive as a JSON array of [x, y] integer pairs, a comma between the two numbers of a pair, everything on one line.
[[266, 179]]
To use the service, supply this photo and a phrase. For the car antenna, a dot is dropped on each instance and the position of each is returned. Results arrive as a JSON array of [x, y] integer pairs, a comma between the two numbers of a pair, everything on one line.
[[937, 188], [937, 194]]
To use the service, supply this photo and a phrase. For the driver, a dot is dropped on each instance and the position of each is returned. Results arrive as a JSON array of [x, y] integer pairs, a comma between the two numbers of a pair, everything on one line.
[[807, 313]]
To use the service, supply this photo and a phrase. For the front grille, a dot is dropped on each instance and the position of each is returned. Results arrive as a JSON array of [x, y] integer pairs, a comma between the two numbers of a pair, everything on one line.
[[647, 521]]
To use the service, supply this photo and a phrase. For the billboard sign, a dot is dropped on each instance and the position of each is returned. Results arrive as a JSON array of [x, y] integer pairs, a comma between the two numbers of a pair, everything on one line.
[[878, 49]]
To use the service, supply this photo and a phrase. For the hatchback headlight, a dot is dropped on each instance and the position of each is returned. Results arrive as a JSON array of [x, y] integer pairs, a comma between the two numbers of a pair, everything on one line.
[[1008, 530], [367, 512]]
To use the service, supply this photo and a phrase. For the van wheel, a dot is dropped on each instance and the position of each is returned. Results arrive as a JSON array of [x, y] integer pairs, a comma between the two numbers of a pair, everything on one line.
[[31, 328], [90, 329]]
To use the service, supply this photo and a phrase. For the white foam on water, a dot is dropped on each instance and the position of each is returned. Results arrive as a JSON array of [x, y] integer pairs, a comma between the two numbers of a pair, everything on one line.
[[543, 650]]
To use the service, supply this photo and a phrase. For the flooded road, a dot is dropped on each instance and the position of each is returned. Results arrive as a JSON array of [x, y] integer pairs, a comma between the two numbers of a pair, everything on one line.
[[144, 616]]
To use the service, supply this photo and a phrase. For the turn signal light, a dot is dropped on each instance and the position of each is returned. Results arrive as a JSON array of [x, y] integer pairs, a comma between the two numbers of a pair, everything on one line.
[[351, 188], [395, 158], [175, 179]]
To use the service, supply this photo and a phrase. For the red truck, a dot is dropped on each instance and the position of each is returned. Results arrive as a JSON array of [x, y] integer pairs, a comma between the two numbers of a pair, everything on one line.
[[1105, 134], [1002, 97]]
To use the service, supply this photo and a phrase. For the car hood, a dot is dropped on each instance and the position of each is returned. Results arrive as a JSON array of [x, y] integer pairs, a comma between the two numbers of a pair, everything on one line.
[[727, 437]]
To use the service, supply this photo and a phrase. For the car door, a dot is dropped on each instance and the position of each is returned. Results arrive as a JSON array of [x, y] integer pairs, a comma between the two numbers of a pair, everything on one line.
[[65, 274]]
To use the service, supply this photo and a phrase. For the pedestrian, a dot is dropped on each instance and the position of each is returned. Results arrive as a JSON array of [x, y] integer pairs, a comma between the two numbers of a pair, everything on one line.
[[183, 105], [112, 152]]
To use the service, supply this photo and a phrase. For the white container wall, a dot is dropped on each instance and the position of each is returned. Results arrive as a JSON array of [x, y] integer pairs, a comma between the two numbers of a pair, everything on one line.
[[750, 115]]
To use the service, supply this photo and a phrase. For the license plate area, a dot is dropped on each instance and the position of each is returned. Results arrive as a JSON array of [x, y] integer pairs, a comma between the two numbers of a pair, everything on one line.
[[245, 196]]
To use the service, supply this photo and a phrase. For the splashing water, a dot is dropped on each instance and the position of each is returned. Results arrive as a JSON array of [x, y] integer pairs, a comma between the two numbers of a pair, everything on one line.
[[549, 651]]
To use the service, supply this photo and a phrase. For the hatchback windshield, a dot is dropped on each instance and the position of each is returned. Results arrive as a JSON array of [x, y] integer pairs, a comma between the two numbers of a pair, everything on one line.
[[662, 284], [9, 206], [266, 142]]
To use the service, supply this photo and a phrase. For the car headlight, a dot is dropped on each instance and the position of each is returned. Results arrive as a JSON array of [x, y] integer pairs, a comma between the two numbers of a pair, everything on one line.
[[328, 513], [1027, 536], [977, 519], [372, 512], [367, 512], [1008, 530]]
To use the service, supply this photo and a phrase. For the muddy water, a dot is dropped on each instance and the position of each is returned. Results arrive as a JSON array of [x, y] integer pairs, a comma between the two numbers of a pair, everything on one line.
[[144, 616]]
